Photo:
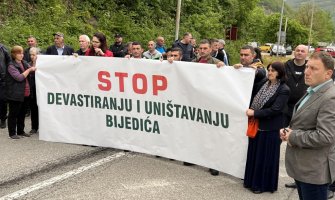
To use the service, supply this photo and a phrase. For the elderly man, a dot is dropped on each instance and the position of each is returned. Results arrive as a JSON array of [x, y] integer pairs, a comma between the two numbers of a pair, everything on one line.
[[4, 61], [152, 52], [84, 44], [59, 48], [160, 45], [222, 44], [310, 151], [216, 52]]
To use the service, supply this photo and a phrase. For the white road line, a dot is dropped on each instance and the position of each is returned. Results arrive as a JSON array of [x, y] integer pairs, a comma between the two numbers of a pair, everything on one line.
[[62, 177]]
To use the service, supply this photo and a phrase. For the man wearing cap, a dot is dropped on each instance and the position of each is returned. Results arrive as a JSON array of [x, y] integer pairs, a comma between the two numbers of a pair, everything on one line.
[[118, 49], [59, 48]]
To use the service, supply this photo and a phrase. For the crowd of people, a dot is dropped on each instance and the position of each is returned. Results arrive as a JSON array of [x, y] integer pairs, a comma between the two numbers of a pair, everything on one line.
[[292, 102]]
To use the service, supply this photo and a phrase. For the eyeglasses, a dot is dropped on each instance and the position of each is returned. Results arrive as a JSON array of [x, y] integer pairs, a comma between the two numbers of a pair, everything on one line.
[[97, 42]]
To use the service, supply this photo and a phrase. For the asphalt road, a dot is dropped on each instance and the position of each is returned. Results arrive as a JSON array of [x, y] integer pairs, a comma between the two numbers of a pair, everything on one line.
[[33, 169]]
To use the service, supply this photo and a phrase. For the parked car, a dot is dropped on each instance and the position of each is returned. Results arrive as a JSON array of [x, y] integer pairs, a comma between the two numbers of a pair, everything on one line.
[[288, 50], [280, 49], [266, 47], [311, 49], [253, 44], [330, 50]]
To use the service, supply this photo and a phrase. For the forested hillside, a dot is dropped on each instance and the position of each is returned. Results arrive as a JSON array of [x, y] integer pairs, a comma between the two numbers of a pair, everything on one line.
[[137, 20], [328, 5], [143, 20]]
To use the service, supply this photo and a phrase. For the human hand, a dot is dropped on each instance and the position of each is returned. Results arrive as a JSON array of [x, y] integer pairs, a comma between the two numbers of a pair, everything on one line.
[[220, 64], [250, 112], [238, 66], [285, 134], [99, 52], [170, 59]]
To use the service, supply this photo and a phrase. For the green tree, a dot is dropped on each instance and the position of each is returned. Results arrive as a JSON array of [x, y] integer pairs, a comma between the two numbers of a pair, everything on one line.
[[323, 27]]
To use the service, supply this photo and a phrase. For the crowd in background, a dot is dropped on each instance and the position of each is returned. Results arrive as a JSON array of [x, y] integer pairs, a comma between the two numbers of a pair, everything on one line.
[[277, 89]]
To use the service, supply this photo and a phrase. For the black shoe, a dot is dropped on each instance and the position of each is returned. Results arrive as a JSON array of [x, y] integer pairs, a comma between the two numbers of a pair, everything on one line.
[[214, 172], [330, 194], [33, 131], [291, 185], [28, 113], [3, 124], [14, 137], [256, 191], [188, 164], [24, 134]]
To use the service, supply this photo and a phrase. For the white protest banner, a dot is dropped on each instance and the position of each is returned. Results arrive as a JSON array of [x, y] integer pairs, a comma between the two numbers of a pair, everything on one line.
[[185, 111]]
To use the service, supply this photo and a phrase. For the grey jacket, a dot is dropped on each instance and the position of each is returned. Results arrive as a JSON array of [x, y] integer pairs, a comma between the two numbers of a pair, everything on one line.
[[311, 158]]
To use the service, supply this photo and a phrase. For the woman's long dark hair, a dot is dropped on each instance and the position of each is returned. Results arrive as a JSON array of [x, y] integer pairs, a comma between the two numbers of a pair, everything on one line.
[[103, 43]]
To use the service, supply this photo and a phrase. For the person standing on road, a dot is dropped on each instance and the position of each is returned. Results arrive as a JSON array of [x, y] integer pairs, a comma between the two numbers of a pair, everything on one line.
[[136, 51], [118, 48], [186, 46], [216, 53], [205, 51], [222, 44], [247, 59], [59, 48], [310, 137], [295, 70], [84, 44], [262, 167], [17, 92], [99, 46], [31, 42], [152, 52], [4, 61], [33, 98], [160, 45]]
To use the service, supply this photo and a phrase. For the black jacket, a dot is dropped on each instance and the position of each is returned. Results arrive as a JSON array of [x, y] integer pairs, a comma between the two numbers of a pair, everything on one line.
[[119, 50], [271, 115], [4, 61], [14, 88], [188, 54], [52, 50], [295, 82]]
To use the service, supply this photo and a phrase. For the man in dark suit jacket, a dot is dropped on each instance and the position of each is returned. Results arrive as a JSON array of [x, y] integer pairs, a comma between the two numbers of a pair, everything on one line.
[[310, 151], [59, 48]]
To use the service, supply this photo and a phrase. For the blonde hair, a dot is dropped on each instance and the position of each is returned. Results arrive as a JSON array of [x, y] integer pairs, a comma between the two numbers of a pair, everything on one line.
[[16, 50]]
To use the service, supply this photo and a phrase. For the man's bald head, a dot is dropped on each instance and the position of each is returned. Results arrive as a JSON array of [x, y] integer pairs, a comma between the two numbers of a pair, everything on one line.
[[301, 52]]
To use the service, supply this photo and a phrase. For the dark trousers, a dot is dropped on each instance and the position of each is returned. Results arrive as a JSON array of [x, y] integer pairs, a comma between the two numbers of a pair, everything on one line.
[[16, 115], [332, 187], [309, 191], [3, 109], [34, 113]]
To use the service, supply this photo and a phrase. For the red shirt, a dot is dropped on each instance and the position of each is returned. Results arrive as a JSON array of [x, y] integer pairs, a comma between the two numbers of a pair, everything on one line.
[[108, 53]]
